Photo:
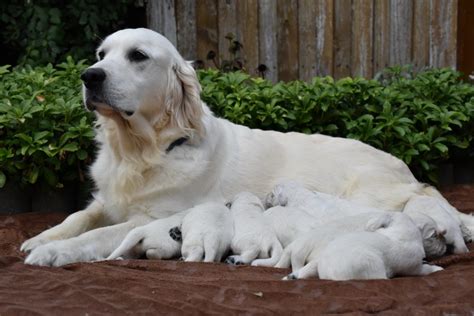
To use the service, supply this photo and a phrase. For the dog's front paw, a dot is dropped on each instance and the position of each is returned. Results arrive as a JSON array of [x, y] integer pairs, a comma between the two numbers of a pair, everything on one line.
[[55, 254], [33, 243]]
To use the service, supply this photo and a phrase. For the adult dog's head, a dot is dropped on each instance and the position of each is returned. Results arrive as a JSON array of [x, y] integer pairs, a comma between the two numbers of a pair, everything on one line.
[[142, 83]]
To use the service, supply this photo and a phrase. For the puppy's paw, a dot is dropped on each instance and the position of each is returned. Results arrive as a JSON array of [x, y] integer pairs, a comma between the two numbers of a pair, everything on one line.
[[234, 260], [175, 234], [291, 276]]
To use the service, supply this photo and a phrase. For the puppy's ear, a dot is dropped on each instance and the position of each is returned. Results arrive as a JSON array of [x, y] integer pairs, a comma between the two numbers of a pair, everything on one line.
[[380, 221], [183, 101]]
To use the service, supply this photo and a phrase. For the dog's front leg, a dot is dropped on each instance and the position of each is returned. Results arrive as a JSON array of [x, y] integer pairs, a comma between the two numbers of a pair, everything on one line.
[[74, 225], [93, 245]]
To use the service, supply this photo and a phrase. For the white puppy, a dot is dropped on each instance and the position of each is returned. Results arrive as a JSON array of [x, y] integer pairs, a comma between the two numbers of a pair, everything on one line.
[[253, 236], [320, 205], [443, 217], [207, 232], [152, 239], [307, 247], [391, 246], [289, 222]]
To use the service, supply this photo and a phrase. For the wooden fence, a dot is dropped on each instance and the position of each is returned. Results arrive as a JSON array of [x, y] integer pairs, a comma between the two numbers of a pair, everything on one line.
[[300, 39]]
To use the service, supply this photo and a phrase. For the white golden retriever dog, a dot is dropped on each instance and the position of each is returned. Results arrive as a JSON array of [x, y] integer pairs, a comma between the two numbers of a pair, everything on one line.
[[161, 151]]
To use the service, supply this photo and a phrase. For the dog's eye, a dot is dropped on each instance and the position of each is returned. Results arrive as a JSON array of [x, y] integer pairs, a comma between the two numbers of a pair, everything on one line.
[[137, 56], [101, 55]]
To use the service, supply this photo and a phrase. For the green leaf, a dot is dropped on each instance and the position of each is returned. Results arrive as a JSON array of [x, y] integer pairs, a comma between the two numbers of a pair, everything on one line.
[[70, 147], [441, 147]]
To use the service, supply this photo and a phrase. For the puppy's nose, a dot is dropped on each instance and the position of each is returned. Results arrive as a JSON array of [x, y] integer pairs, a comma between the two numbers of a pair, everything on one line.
[[93, 77]]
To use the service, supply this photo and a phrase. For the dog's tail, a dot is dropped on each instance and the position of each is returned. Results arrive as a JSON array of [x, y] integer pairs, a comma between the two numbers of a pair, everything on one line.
[[276, 251], [125, 249]]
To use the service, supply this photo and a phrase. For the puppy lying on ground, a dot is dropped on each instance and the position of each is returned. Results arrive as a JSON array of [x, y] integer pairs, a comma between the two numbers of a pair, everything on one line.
[[152, 239], [253, 236], [206, 233], [308, 247], [447, 221], [391, 246], [289, 222]]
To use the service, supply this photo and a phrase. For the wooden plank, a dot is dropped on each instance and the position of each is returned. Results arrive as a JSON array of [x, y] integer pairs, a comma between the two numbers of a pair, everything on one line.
[[306, 39], [381, 35], [267, 24], [362, 38], [247, 22], [342, 38], [443, 33], [401, 22], [161, 18], [465, 44], [186, 28], [324, 37], [421, 34], [207, 32], [287, 37], [227, 17]]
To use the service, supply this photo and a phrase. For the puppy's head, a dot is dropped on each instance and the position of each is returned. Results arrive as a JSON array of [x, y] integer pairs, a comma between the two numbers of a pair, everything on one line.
[[245, 200], [434, 242], [283, 191], [140, 76]]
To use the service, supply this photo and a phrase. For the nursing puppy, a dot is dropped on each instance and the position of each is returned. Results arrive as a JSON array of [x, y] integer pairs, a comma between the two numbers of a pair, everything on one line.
[[289, 222], [162, 151], [320, 206], [206, 233], [152, 239], [391, 246], [253, 236], [308, 247], [444, 219]]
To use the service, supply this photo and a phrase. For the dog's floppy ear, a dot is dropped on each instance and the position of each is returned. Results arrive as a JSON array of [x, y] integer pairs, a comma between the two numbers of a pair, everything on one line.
[[183, 101], [380, 221]]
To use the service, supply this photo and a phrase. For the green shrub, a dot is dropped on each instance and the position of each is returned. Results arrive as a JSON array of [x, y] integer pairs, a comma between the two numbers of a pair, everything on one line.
[[45, 31], [418, 118], [45, 133]]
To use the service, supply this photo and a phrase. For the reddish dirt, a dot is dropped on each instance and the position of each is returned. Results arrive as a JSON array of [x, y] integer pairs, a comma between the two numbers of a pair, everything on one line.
[[172, 287]]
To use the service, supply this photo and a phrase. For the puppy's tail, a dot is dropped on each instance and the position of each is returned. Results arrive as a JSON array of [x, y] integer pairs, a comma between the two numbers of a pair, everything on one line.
[[276, 251], [133, 238]]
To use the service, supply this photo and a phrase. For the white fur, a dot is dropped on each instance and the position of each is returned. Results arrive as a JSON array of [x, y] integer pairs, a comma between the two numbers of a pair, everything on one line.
[[138, 181], [289, 222], [207, 232], [448, 222], [253, 236], [152, 239], [434, 242], [391, 246], [321, 206]]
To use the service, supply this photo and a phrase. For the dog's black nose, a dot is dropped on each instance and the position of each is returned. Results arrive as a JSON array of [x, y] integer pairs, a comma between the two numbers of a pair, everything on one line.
[[93, 77]]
